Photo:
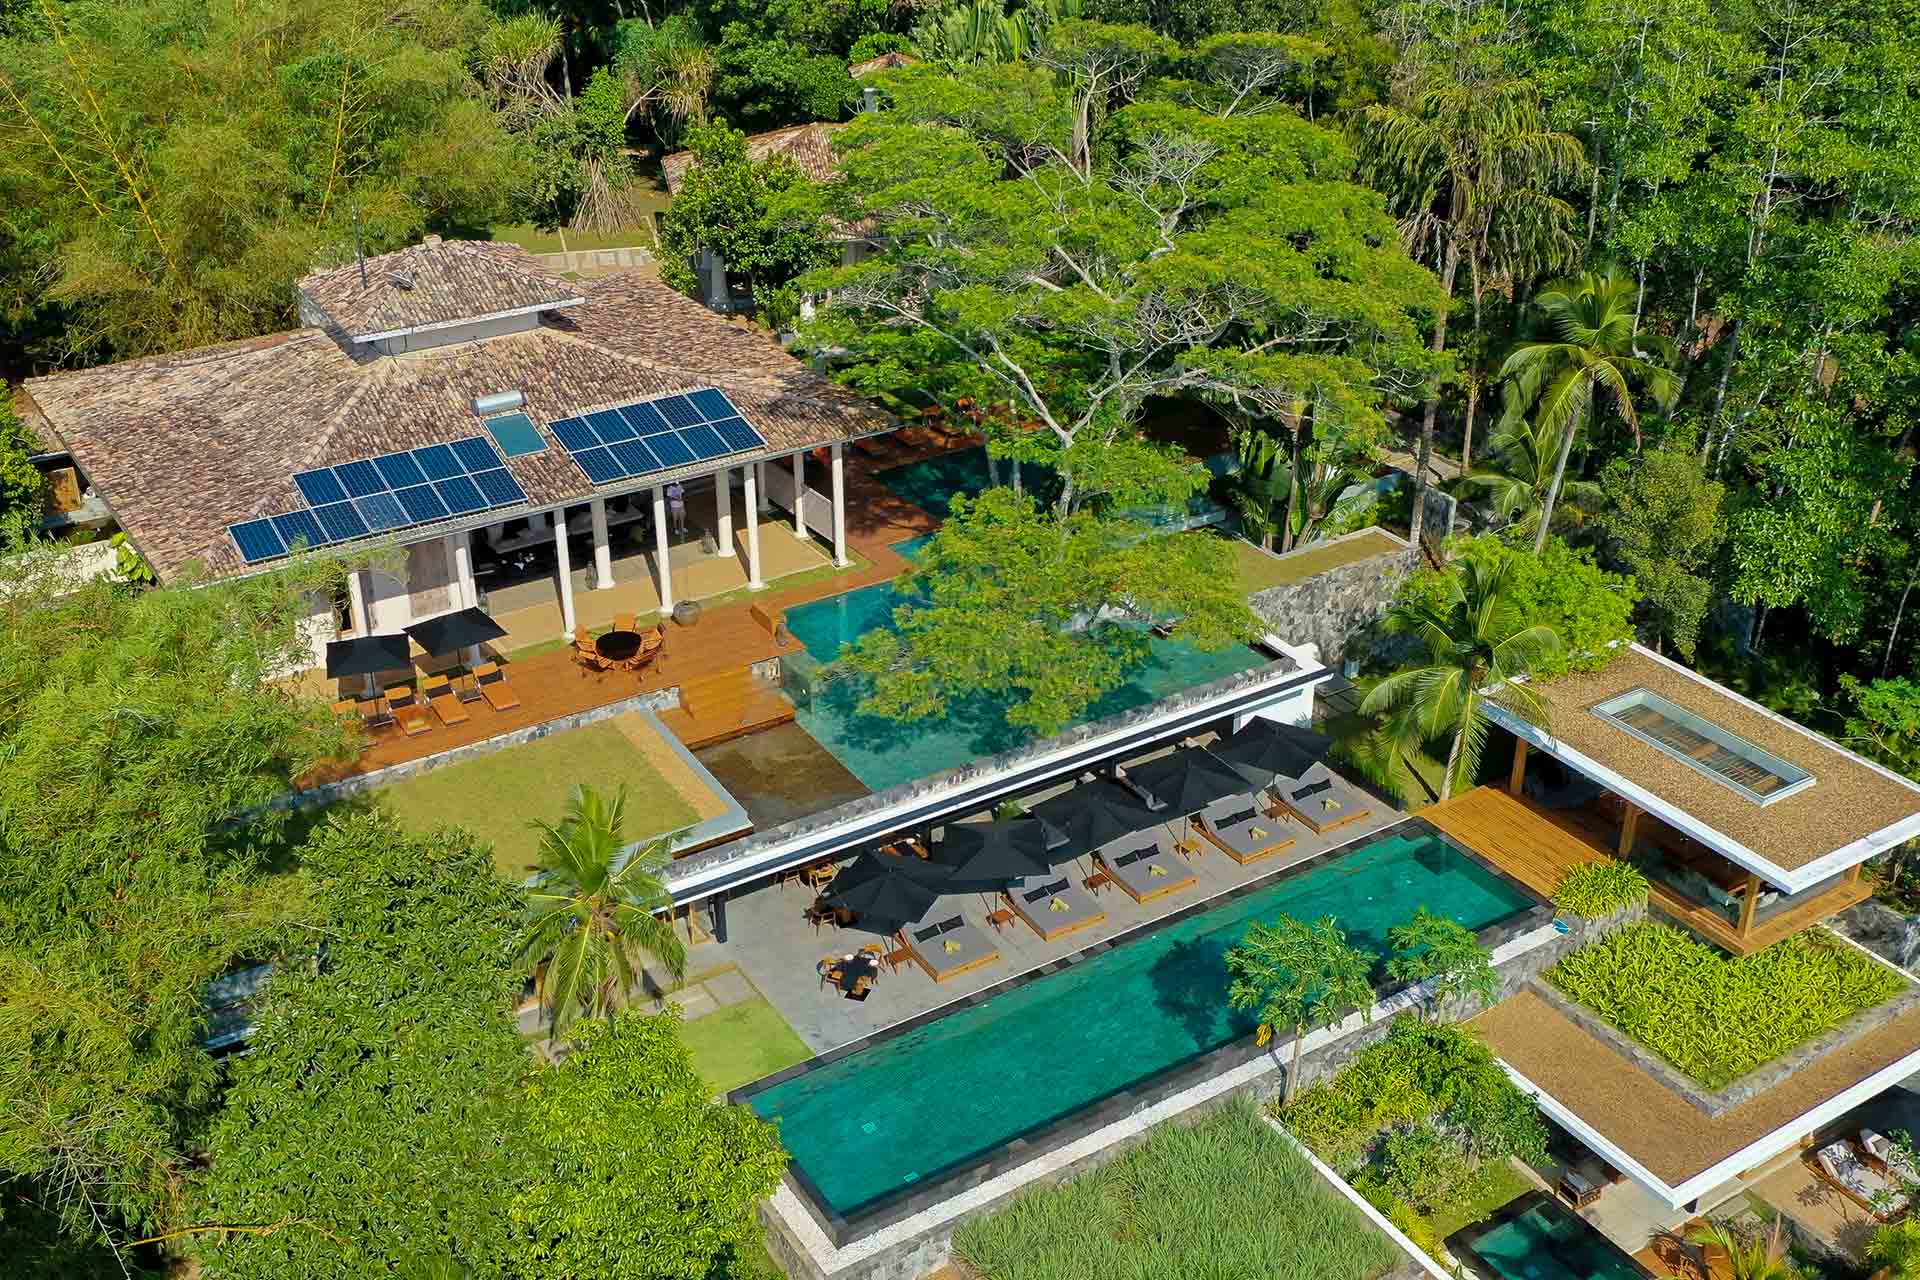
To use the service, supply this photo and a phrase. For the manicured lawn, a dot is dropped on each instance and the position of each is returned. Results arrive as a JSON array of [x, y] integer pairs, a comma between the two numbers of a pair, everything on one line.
[[740, 1043], [496, 796], [534, 240], [1227, 1196], [1504, 1185], [1258, 570]]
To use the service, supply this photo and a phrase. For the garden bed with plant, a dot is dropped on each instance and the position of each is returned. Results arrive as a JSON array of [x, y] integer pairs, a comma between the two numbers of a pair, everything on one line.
[[1716, 1017], [1183, 1203], [1426, 1125]]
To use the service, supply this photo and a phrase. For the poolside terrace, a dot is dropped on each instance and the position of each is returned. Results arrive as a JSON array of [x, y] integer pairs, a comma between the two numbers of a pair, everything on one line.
[[771, 940]]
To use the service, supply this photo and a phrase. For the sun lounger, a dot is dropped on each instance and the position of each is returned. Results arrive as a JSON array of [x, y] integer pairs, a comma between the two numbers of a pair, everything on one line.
[[439, 695], [1146, 866], [494, 687], [1321, 800], [950, 948], [1881, 1153], [1844, 1166], [1241, 831], [406, 710], [1056, 909]]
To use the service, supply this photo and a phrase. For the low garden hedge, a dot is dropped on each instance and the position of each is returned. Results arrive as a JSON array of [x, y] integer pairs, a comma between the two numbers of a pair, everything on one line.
[[1717, 1017], [1600, 888]]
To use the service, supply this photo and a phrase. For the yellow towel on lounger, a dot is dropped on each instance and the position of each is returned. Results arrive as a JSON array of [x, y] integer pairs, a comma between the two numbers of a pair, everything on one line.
[[1058, 904], [1329, 804], [1156, 870], [953, 948], [1258, 833]]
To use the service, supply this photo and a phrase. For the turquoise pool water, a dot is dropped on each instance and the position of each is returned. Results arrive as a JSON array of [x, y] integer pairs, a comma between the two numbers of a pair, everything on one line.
[[883, 753], [1546, 1242], [911, 1108], [931, 483]]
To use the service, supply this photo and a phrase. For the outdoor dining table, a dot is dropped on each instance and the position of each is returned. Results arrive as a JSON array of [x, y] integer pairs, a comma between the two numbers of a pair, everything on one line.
[[853, 969], [618, 646]]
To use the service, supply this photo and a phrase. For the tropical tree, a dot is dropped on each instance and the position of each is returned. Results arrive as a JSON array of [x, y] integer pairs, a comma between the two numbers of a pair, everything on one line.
[[1445, 954], [1262, 486], [1894, 1251], [1470, 165], [1663, 525], [1594, 352], [1298, 976], [1479, 650], [729, 204], [1762, 1258], [595, 909], [1520, 474]]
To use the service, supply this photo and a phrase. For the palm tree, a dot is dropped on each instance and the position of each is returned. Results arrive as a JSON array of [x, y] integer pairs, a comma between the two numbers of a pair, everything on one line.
[[596, 909], [1765, 1258], [1478, 652], [1593, 352], [1469, 168], [1894, 1251], [1521, 472], [1299, 976]]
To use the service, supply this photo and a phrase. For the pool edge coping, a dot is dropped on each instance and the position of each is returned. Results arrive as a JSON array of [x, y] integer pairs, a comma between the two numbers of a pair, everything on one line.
[[1461, 1243], [842, 1232]]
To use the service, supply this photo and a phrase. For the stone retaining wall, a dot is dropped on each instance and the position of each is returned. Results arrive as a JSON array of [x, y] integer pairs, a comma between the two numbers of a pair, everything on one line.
[[1331, 609]]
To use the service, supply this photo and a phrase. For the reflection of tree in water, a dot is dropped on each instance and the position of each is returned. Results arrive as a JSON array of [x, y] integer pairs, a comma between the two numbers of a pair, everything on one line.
[[1190, 983]]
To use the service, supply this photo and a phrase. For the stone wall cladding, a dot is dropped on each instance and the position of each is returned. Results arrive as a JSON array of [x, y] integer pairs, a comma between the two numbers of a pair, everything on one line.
[[1331, 609]]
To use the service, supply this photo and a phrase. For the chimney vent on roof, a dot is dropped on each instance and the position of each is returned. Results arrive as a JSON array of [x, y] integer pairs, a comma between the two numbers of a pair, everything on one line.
[[432, 242], [401, 280]]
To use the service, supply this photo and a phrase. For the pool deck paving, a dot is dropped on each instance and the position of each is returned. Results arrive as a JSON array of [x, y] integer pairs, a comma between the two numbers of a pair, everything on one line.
[[769, 938]]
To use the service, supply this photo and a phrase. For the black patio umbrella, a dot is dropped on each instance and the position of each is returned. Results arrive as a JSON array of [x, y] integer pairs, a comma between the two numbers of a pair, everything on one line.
[[985, 857], [1091, 815], [1266, 749], [367, 655], [885, 892], [451, 632], [1187, 781]]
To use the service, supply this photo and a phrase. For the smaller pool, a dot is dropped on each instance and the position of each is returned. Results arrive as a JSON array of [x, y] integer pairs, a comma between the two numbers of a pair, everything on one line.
[[1538, 1238], [931, 483]]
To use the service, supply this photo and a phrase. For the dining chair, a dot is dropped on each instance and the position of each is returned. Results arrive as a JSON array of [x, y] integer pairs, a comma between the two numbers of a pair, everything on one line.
[[624, 622]]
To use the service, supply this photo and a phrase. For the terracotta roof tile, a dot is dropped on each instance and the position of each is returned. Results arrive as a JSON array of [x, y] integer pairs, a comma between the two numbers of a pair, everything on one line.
[[435, 283], [183, 445], [809, 146], [885, 62]]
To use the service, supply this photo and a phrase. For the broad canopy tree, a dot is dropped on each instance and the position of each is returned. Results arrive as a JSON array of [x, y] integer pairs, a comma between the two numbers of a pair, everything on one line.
[[1064, 247]]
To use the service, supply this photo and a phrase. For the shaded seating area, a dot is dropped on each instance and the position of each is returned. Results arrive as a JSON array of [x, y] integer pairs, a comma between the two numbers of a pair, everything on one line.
[[1056, 909], [1146, 866], [1846, 1165], [1321, 800], [1237, 827], [950, 947]]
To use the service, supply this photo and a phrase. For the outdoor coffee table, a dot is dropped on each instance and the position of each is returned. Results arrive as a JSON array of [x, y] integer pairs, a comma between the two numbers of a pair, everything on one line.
[[851, 971], [618, 647]]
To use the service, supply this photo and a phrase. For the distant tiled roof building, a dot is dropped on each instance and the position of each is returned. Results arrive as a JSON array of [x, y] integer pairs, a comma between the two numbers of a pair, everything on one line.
[[183, 445], [885, 62], [810, 146]]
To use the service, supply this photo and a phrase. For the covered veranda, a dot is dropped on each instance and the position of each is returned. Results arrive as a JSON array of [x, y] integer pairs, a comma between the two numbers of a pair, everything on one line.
[[1748, 827]]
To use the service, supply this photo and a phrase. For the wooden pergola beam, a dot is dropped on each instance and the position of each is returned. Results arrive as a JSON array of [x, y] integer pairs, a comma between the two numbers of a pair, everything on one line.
[[1747, 905], [1629, 828], [1518, 777]]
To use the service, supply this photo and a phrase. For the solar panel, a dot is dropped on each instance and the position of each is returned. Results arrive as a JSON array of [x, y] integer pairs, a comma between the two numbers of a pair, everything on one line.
[[300, 526], [395, 490], [514, 433], [499, 487], [257, 540], [319, 487], [438, 462], [341, 521], [421, 504], [461, 495], [638, 439], [362, 479], [475, 454]]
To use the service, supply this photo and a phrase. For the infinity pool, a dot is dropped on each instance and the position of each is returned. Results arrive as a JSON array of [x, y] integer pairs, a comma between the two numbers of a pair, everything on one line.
[[884, 753], [925, 1102]]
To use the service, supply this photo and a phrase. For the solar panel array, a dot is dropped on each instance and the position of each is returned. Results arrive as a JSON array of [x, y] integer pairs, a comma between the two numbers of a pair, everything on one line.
[[377, 495], [655, 435]]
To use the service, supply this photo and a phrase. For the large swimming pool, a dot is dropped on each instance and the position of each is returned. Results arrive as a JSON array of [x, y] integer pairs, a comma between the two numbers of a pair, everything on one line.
[[884, 753], [932, 1099]]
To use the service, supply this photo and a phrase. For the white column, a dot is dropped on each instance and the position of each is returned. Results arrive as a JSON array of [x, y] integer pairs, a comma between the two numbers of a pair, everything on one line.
[[800, 496], [723, 508], [602, 551], [357, 614], [565, 565], [760, 477], [750, 478], [840, 507], [660, 548], [463, 569]]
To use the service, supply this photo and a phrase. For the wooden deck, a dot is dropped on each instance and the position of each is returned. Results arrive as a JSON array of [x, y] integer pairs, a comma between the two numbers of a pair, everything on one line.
[[1538, 846], [712, 655]]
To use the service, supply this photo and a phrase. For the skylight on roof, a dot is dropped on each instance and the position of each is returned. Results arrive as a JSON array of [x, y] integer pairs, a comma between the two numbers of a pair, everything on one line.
[[514, 433], [1698, 743]]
